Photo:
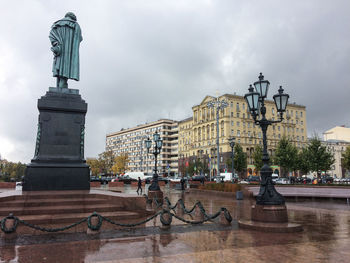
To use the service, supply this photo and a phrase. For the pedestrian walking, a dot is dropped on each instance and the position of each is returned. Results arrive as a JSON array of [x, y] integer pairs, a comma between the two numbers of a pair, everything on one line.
[[139, 186], [182, 181]]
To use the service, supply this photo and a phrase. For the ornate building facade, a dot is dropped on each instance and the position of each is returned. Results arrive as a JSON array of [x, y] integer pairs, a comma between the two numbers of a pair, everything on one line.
[[197, 134]]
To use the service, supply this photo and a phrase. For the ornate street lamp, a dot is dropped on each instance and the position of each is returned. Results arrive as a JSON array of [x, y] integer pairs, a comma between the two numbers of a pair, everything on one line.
[[232, 144], [256, 103], [218, 105], [158, 143]]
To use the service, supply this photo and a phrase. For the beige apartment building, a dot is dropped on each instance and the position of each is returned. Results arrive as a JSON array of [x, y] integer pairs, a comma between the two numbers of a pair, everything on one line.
[[197, 134], [131, 141], [337, 147], [337, 139], [337, 133]]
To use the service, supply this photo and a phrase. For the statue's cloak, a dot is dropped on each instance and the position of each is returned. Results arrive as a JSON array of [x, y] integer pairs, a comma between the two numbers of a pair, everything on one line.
[[67, 34]]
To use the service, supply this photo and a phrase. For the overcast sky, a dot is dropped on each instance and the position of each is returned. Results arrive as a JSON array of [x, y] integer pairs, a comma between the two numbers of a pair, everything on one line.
[[146, 60]]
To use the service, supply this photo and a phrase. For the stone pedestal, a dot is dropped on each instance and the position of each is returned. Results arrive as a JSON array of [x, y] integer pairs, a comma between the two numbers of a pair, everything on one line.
[[270, 213], [158, 195], [58, 162], [270, 218]]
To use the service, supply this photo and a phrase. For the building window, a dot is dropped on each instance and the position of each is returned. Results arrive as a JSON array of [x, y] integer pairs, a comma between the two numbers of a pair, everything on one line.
[[222, 128]]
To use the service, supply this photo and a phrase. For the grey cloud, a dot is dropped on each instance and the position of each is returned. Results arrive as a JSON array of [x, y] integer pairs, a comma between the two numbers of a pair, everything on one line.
[[145, 60]]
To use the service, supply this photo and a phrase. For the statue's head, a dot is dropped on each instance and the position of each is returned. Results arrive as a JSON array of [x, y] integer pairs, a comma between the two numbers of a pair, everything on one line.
[[71, 15]]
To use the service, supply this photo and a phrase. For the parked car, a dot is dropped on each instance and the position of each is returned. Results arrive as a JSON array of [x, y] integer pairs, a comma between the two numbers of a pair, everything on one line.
[[175, 179], [94, 178], [198, 178], [327, 179], [148, 179], [282, 181], [126, 179], [253, 179], [163, 179], [274, 177]]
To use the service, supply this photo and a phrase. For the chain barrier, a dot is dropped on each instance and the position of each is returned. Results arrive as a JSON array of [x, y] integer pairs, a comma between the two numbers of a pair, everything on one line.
[[199, 204], [165, 214]]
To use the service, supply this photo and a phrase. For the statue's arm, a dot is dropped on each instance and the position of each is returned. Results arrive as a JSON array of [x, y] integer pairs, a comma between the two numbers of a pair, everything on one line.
[[56, 49]]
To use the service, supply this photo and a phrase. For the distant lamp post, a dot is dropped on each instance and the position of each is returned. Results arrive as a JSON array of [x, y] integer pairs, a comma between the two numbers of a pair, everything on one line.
[[158, 143], [232, 144], [256, 103], [218, 105]]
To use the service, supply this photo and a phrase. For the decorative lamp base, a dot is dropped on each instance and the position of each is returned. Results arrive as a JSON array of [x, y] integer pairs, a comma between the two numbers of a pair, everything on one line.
[[270, 213], [157, 195], [270, 218]]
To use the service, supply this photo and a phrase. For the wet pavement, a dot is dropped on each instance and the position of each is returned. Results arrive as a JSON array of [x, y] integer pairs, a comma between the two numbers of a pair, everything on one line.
[[326, 238]]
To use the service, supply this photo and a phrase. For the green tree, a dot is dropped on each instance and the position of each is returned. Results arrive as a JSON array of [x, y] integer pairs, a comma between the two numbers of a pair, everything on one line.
[[239, 160], [346, 158], [286, 156], [303, 163], [320, 158], [205, 166], [95, 166], [121, 164], [257, 157], [11, 171], [107, 160], [195, 167]]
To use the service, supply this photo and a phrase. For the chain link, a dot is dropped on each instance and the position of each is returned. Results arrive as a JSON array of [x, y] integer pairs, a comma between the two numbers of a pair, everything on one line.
[[101, 218]]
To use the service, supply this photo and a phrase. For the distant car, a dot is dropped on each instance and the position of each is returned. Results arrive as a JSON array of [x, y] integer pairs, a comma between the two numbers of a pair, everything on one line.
[[126, 179], [94, 178], [163, 179], [282, 181], [198, 178], [175, 179], [148, 179], [253, 179]]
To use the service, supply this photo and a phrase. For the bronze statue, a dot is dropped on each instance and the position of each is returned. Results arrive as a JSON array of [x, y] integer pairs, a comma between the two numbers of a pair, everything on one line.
[[65, 37]]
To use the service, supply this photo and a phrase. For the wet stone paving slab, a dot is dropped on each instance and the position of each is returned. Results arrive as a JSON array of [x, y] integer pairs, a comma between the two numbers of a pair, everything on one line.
[[326, 238]]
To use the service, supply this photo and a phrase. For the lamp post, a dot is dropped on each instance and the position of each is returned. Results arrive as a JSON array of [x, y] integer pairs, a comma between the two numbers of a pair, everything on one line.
[[232, 144], [218, 105], [158, 142], [256, 103]]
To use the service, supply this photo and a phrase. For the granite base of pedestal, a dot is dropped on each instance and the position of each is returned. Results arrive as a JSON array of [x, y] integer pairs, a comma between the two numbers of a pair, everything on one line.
[[270, 227], [60, 177], [158, 195], [270, 213], [270, 218], [58, 162]]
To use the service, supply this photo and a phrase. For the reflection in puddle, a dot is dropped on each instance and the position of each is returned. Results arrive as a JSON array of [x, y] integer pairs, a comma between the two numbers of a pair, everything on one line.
[[326, 238]]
